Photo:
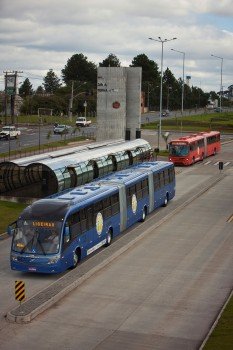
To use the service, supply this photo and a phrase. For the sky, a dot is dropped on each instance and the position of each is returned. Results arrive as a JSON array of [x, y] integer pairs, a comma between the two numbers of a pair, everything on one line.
[[39, 35]]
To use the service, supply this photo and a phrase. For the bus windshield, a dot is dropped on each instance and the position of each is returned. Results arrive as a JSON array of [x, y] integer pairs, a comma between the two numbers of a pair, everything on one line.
[[38, 237], [178, 150]]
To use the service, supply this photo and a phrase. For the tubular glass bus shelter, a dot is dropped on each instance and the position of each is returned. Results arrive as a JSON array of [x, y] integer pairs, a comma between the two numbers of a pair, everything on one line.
[[43, 175]]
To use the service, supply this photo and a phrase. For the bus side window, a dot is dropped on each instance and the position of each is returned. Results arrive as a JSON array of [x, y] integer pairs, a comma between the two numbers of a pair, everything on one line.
[[83, 220], [90, 223], [161, 176], [98, 208], [107, 207], [171, 174], [156, 181], [139, 190], [166, 177], [145, 187], [115, 203]]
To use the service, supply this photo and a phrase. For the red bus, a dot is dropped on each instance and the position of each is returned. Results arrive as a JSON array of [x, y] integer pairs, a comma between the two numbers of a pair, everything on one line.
[[192, 148]]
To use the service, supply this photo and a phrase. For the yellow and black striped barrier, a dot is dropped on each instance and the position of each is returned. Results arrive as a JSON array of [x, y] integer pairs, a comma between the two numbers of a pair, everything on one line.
[[19, 290]]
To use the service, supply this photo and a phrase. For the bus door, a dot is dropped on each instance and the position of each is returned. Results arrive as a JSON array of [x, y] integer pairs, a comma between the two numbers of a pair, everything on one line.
[[205, 147], [135, 196], [159, 189], [98, 232], [88, 224], [80, 227]]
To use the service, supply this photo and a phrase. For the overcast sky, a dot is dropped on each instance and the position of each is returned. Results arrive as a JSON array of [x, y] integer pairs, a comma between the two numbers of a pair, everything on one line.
[[39, 35]]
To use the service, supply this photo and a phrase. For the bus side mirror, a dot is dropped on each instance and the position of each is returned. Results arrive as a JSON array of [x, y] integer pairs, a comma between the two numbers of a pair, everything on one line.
[[67, 234], [11, 229]]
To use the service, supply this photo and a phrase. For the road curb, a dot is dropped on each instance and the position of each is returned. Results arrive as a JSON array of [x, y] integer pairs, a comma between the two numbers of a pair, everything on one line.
[[3, 236]]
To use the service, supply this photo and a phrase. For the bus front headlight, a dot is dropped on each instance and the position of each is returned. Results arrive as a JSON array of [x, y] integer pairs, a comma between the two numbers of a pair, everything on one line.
[[14, 257], [53, 260]]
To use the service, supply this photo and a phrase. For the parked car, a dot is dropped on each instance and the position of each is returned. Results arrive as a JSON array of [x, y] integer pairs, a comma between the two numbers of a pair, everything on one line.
[[61, 129], [9, 132]]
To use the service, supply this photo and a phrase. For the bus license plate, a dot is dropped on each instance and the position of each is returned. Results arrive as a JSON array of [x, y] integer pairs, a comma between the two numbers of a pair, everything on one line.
[[32, 269]]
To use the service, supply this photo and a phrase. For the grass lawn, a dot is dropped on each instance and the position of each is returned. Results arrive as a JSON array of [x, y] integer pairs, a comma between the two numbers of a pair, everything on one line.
[[222, 336], [216, 121], [9, 213]]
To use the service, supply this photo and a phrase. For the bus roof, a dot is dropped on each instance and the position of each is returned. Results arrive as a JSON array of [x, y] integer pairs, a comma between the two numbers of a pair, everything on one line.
[[194, 137], [128, 176], [56, 207]]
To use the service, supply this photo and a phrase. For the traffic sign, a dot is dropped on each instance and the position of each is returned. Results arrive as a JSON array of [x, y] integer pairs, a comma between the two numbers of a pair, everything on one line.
[[19, 290]]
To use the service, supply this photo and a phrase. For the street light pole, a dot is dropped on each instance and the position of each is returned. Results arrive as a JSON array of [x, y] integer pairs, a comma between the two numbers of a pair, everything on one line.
[[220, 100], [71, 101], [161, 86]]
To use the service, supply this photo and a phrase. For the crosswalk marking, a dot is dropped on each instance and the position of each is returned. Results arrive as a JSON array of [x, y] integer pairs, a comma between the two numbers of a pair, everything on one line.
[[216, 163]]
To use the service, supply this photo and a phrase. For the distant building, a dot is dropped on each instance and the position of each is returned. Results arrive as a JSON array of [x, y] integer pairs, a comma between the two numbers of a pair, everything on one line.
[[230, 92], [119, 103]]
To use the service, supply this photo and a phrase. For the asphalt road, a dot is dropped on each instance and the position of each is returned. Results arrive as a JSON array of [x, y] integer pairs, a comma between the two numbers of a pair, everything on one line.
[[163, 293], [30, 137], [33, 136]]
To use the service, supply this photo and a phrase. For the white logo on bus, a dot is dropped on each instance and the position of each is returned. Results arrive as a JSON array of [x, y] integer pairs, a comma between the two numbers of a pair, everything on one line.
[[134, 203], [99, 223]]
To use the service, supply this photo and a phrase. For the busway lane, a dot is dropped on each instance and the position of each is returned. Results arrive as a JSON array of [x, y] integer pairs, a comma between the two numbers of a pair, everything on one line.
[[164, 292], [47, 297]]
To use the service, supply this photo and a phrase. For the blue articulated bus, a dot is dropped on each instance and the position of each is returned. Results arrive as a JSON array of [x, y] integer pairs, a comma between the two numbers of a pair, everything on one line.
[[55, 233]]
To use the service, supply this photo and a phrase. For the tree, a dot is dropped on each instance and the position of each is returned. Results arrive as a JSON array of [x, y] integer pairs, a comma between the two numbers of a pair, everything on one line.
[[172, 90], [51, 82], [26, 88], [169, 79], [150, 71], [110, 61], [39, 90], [78, 68], [150, 78], [57, 103]]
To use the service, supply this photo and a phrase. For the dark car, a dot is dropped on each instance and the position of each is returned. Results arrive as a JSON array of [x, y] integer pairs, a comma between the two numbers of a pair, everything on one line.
[[61, 129], [166, 113]]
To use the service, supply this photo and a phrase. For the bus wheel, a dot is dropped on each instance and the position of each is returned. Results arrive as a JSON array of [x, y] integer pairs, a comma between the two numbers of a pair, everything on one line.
[[144, 213], [108, 238], [76, 258], [193, 160], [166, 200]]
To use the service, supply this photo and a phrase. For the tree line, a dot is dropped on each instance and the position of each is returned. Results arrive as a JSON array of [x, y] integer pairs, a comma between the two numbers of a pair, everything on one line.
[[80, 76]]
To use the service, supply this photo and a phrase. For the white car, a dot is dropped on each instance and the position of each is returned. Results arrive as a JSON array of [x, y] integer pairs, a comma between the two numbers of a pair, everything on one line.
[[9, 132]]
